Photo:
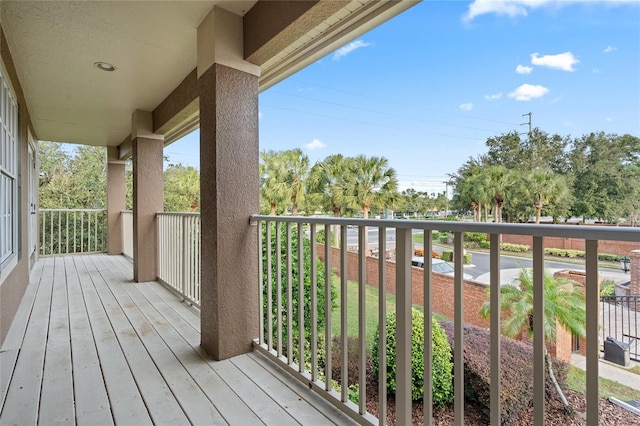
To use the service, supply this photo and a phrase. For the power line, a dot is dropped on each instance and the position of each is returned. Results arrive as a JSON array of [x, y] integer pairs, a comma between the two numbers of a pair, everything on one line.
[[369, 123], [406, 105]]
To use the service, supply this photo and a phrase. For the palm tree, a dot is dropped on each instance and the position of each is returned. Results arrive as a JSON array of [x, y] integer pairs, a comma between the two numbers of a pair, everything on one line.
[[326, 186], [543, 186], [273, 185], [370, 182], [564, 304], [296, 170], [500, 182]]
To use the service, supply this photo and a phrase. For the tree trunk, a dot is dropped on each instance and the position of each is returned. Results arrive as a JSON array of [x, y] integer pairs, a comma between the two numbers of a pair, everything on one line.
[[538, 212], [273, 209], [552, 376]]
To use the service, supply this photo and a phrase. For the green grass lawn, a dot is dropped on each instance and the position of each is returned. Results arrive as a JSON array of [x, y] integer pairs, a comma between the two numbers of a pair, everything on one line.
[[576, 379], [577, 382], [371, 306]]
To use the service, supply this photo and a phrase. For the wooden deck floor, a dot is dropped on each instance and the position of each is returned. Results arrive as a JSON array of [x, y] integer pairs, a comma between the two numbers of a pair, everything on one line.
[[89, 346]]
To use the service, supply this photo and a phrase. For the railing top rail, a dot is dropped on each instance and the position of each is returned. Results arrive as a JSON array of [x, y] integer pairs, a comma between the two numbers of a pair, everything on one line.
[[127, 211], [535, 230], [177, 214], [73, 210]]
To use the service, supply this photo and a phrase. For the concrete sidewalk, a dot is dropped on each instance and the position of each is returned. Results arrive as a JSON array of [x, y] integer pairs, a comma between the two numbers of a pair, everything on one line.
[[610, 371]]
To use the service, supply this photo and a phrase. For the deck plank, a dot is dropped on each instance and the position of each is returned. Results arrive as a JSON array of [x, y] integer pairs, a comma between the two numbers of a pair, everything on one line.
[[15, 336], [57, 394], [127, 405], [129, 353], [92, 402], [161, 403], [232, 408], [297, 406], [189, 395], [23, 396]]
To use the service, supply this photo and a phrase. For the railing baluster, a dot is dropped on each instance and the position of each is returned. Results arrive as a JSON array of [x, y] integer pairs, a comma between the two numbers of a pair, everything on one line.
[[344, 356], [185, 254], [382, 327], [289, 297], [301, 336], [403, 326], [278, 290], [428, 328], [362, 318], [458, 352], [269, 289], [314, 304], [495, 309], [592, 303], [538, 331], [327, 306], [261, 282]]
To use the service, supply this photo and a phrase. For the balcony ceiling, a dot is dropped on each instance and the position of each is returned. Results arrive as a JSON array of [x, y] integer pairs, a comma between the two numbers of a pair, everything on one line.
[[54, 46]]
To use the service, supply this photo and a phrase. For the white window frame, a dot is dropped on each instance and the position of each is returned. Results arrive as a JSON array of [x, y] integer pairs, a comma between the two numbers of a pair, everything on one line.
[[9, 174]]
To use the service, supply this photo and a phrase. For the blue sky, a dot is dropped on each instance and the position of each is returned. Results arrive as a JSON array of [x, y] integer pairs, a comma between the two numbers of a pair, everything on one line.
[[427, 88]]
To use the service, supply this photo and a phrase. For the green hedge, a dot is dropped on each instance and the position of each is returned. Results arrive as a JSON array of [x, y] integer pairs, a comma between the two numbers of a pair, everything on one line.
[[579, 253], [442, 365]]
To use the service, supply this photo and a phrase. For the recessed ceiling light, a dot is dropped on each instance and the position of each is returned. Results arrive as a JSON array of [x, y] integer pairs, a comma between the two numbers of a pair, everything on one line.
[[104, 66]]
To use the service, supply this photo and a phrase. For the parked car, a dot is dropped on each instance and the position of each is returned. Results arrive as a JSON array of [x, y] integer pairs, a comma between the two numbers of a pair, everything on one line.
[[439, 266]]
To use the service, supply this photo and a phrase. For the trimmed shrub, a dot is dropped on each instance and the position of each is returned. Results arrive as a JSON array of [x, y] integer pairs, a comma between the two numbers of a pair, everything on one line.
[[466, 258], [609, 257], [444, 237], [516, 373], [485, 245], [442, 366], [475, 237], [516, 248], [607, 288], [447, 255]]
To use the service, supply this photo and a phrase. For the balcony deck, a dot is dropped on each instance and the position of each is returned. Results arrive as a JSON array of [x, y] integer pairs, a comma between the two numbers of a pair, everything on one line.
[[89, 346]]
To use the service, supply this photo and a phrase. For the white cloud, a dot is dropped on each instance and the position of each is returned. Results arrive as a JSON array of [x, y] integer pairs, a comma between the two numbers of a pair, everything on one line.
[[609, 119], [259, 115], [609, 49], [526, 92], [596, 71], [315, 144], [493, 97], [515, 8], [345, 50], [466, 107], [562, 61], [523, 69]]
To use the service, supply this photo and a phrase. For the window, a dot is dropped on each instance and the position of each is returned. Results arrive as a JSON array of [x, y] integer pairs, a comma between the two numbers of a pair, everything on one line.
[[8, 171]]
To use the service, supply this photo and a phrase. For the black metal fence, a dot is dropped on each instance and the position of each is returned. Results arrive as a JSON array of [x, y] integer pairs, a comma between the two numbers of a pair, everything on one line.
[[621, 321]]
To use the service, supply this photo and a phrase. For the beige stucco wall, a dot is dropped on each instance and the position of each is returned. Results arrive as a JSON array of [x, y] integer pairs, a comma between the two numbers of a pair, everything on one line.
[[14, 282]]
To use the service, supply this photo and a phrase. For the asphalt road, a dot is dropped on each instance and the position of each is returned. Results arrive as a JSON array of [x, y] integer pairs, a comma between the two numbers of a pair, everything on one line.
[[479, 268]]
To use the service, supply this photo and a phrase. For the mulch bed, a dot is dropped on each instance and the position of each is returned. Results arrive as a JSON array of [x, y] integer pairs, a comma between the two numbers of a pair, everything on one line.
[[475, 415]]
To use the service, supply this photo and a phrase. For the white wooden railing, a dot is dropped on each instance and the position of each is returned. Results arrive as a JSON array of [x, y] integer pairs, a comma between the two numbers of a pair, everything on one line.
[[179, 253], [127, 233], [278, 233], [72, 231]]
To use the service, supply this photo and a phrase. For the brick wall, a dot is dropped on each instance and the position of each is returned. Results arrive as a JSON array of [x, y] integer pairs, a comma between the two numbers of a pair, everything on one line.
[[621, 248], [443, 291], [443, 294], [634, 271]]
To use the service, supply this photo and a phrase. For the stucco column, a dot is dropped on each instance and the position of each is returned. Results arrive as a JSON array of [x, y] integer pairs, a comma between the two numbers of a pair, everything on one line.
[[148, 198], [228, 188], [116, 200]]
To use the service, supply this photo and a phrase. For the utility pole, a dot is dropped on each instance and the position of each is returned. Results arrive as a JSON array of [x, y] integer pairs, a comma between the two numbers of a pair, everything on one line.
[[534, 149]]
